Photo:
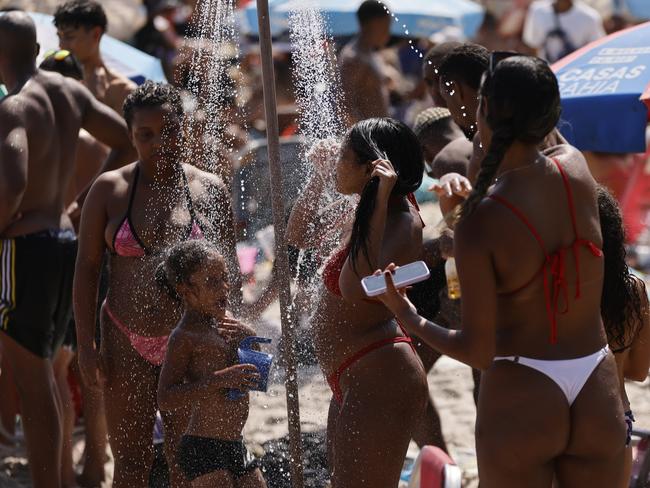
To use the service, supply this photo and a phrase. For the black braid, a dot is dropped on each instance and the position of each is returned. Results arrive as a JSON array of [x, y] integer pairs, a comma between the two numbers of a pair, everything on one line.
[[502, 138], [523, 104]]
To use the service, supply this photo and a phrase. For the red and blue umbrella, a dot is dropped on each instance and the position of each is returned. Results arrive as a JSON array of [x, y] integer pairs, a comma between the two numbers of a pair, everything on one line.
[[605, 90]]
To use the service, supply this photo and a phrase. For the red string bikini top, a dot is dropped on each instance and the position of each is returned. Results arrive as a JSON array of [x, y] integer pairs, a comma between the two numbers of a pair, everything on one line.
[[126, 242], [334, 265], [554, 268]]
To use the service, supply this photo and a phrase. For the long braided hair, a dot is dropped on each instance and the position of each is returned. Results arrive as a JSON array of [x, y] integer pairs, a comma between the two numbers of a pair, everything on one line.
[[523, 104], [382, 138]]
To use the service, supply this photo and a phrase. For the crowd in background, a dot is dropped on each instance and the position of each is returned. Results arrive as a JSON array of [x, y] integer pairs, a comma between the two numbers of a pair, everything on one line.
[[381, 76]]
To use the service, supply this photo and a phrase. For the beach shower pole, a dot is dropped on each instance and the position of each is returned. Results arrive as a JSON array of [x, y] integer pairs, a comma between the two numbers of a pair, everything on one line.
[[281, 256]]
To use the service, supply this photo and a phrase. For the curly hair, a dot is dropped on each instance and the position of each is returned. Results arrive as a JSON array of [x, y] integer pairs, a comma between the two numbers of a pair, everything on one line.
[[181, 262], [80, 13], [152, 94], [623, 302], [523, 100]]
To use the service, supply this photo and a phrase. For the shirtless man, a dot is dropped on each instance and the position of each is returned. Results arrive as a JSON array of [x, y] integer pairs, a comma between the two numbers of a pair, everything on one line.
[[461, 71], [80, 26], [39, 125], [362, 72], [430, 70]]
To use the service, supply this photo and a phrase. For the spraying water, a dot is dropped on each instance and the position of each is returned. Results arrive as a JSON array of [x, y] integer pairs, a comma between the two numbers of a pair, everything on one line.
[[319, 100], [315, 75], [215, 59]]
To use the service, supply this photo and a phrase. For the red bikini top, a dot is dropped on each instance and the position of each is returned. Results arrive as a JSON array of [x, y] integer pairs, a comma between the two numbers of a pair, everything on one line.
[[554, 268], [334, 265]]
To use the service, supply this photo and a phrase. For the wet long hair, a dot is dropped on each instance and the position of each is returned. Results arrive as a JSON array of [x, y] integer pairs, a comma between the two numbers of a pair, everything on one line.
[[382, 138], [181, 261], [523, 101], [623, 303]]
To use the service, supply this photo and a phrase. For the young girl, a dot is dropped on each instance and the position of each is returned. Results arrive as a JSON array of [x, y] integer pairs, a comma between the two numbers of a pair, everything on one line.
[[200, 367]]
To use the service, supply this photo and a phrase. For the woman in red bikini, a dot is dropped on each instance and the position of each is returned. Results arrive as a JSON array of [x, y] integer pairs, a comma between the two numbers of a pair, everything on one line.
[[378, 382], [134, 213], [528, 251]]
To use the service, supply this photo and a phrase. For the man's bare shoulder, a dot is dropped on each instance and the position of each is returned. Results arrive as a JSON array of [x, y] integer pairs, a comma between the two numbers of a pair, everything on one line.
[[11, 110], [120, 84], [55, 84], [118, 79]]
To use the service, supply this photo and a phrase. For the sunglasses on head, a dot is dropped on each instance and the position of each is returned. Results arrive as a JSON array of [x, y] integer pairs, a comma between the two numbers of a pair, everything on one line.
[[58, 54]]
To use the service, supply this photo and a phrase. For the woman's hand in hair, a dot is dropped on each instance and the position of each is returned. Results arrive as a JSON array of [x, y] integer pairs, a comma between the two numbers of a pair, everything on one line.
[[383, 169], [395, 300]]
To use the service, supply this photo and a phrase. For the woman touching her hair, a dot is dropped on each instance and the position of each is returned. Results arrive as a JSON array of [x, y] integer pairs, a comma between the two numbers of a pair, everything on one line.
[[377, 380]]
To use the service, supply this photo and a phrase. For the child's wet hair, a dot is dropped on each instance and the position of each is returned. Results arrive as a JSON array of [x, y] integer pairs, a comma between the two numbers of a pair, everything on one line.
[[152, 94], [182, 261]]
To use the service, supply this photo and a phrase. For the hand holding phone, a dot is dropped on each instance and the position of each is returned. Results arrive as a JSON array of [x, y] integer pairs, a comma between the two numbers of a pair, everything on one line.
[[404, 276]]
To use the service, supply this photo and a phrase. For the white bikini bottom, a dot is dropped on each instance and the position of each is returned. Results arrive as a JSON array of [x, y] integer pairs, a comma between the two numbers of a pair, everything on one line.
[[569, 374]]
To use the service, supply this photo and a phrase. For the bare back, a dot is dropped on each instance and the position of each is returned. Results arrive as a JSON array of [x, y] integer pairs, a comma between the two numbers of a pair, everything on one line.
[[50, 110], [523, 322], [364, 82]]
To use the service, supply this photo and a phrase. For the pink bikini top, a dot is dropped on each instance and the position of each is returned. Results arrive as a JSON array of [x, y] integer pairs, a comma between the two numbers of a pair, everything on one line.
[[334, 265], [126, 242]]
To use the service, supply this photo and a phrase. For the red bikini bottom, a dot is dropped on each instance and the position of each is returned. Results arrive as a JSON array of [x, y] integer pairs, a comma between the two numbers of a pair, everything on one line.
[[334, 379]]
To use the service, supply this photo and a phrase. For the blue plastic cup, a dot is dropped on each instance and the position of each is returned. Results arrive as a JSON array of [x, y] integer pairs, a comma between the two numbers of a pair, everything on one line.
[[261, 360]]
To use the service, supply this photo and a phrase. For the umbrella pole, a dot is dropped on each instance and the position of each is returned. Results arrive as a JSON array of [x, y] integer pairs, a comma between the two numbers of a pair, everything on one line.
[[281, 256]]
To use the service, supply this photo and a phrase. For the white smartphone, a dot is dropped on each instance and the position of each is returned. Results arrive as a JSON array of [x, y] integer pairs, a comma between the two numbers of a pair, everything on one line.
[[405, 275]]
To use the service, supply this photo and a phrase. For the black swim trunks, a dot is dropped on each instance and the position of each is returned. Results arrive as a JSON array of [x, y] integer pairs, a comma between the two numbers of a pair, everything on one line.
[[198, 456], [36, 272]]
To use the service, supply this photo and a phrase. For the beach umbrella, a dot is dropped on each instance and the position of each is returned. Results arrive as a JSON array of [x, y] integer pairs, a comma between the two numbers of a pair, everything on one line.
[[605, 90], [117, 55], [638, 8], [412, 18]]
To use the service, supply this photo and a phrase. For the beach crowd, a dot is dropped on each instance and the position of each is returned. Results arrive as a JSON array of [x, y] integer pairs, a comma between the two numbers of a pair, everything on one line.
[[119, 263]]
